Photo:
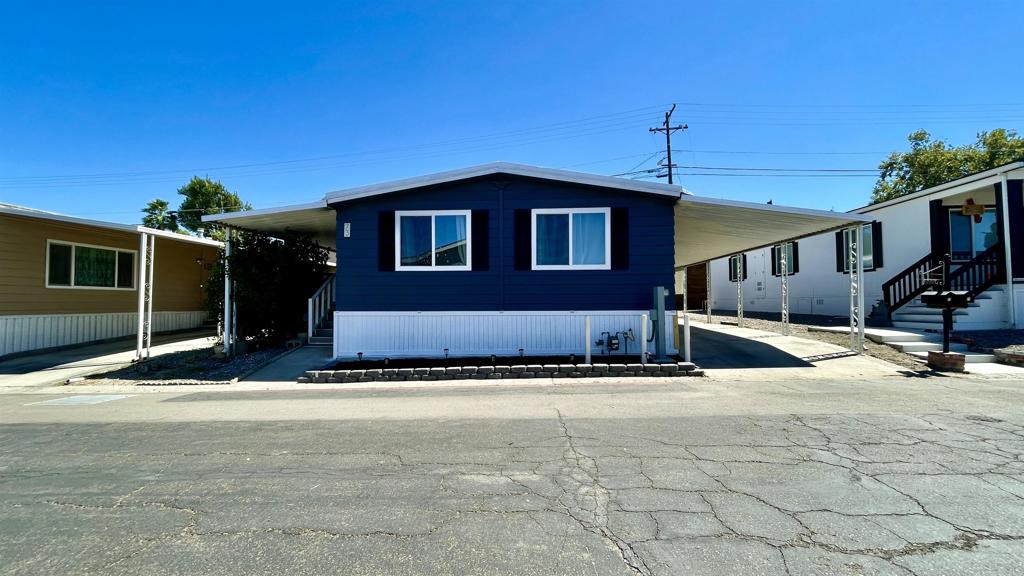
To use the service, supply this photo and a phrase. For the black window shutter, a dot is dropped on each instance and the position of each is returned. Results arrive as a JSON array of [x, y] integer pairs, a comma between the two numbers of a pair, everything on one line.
[[732, 268], [521, 241], [386, 241], [744, 266], [480, 238], [876, 243], [939, 225], [794, 266], [840, 252], [620, 238], [775, 267]]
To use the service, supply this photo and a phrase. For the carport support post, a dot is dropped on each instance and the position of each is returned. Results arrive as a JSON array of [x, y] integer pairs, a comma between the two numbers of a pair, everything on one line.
[[739, 290], [150, 258], [683, 286], [707, 297], [856, 266], [227, 293], [784, 271], [140, 284]]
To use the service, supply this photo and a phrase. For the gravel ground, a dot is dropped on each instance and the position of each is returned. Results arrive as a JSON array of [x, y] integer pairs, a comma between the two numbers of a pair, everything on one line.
[[188, 367], [1011, 341], [798, 327]]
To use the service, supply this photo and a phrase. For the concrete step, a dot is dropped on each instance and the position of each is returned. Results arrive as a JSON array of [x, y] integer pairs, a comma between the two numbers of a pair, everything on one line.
[[913, 317], [969, 357], [918, 325], [323, 333], [321, 341], [909, 347]]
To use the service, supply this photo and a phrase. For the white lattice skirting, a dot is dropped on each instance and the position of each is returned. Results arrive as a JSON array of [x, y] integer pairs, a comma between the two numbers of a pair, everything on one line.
[[427, 334], [24, 333]]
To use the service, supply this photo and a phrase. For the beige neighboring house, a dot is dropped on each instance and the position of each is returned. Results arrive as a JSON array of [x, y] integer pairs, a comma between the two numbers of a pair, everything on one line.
[[67, 280]]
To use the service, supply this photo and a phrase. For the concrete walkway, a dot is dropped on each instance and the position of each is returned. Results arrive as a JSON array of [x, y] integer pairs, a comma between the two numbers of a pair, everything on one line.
[[290, 366], [730, 352], [56, 367]]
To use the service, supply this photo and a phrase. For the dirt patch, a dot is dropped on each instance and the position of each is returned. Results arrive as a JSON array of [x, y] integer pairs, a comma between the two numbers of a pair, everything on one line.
[[200, 366], [799, 330]]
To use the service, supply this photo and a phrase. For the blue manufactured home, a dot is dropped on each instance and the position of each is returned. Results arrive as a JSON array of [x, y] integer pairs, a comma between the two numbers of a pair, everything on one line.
[[510, 259]]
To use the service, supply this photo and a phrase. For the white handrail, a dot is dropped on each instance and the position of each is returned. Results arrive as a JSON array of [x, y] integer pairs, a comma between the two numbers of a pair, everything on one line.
[[320, 303]]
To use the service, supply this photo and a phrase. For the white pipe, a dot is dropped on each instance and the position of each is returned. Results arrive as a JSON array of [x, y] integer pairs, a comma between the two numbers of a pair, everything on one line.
[[643, 338], [686, 337], [150, 293], [227, 292], [586, 336], [1007, 254], [141, 289], [309, 320]]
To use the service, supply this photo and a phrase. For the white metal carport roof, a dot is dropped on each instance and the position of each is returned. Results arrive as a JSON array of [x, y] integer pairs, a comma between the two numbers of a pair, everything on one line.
[[711, 228], [315, 219]]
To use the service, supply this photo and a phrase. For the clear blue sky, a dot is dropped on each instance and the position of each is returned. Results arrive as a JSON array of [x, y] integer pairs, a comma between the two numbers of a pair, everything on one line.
[[104, 107]]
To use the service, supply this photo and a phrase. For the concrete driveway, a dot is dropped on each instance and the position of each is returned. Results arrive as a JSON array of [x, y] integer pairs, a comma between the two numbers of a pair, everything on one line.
[[900, 475], [732, 353], [56, 367]]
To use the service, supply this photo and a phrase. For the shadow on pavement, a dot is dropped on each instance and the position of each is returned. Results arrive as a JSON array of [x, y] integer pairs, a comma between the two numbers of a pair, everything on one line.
[[711, 349]]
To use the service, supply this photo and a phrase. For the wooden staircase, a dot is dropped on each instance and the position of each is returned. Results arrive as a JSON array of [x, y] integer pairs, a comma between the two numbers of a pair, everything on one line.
[[979, 277]]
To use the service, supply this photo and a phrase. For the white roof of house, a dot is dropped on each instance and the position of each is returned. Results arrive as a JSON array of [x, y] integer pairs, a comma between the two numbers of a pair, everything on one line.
[[509, 168], [16, 210], [971, 181]]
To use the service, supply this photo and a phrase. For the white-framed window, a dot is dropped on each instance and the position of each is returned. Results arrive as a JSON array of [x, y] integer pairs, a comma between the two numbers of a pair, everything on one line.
[[571, 239], [791, 264], [970, 235], [433, 240], [867, 250], [89, 267], [737, 268]]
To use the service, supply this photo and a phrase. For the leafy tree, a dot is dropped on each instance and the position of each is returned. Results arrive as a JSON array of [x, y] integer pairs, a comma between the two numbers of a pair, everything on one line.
[[273, 279], [159, 215], [931, 162], [202, 197]]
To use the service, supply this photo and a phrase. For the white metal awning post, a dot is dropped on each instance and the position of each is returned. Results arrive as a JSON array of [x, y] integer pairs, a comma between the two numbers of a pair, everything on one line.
[[150, 285], [784, 271], [707, 297], [739, 290], [227, 294], [140, 286], [856, 264], [1011, 303]]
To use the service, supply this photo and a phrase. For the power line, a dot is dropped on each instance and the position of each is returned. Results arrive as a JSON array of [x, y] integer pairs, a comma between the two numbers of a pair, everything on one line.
[[668, 129]]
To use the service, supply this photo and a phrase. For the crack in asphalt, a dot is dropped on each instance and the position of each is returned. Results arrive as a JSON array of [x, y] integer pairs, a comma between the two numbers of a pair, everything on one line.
[[588, 480]]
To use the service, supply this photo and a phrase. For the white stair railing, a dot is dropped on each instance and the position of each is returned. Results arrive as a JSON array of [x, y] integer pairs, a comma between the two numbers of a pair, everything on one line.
[[320, 305]]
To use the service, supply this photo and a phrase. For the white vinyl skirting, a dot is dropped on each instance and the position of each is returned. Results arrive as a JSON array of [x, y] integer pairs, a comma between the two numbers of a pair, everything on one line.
[[25, 333], [427, 334]]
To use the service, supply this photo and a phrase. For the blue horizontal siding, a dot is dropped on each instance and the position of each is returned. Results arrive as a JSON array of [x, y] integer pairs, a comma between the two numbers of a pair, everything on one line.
[[361, 286]]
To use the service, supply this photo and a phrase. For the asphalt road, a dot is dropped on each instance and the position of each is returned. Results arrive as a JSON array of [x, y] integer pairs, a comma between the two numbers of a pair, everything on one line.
[[899, 476]]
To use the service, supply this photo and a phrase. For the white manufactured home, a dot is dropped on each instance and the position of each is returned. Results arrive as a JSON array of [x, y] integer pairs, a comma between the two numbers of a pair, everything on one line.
[[978, 220]]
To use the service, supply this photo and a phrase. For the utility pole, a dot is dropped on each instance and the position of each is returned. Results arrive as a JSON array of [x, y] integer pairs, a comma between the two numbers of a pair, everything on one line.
[[668, 129]]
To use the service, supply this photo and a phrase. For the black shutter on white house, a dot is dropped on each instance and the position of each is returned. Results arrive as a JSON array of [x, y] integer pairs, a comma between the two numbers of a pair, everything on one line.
[[744, 266], [480, 238], [840, 253], [620, 238], [521, 240], [794, 266], [386, 241], [876, 246], [775, 260]]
